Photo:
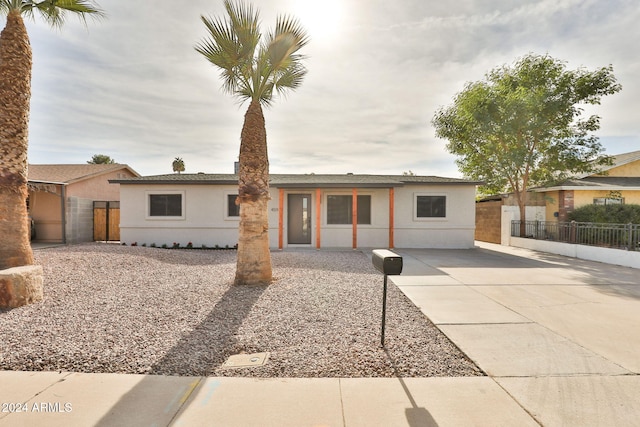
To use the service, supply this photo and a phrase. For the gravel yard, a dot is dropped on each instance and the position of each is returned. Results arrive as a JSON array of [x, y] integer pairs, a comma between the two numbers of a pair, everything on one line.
[[111, 308]]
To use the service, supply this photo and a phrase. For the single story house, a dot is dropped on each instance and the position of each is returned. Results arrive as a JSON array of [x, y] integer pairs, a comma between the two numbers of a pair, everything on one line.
[[617, 183], [62, 198], [306, 210]]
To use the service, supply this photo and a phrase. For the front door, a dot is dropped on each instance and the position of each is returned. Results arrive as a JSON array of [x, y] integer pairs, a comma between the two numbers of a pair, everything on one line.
[[299, 221]]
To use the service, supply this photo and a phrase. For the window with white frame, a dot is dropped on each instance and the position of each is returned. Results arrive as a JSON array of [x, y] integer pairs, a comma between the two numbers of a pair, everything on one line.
[[607, 201], [165, 204], [233, 209], [340, 209], [430, 206]]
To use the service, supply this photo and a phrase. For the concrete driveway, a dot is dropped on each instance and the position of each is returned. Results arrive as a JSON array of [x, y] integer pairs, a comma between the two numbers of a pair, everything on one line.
[[559, 335]]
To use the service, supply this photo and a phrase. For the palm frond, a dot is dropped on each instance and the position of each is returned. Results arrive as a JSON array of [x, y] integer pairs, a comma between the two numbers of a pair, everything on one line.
[[54, 12], [231, 45], [251, 69], [290, 79], [8, 5], [245, 23], [222, 48], [288, 25], [286, 40]]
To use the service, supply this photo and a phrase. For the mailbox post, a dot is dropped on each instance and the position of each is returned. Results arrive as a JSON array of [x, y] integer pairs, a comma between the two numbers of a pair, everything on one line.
[[388, 263]]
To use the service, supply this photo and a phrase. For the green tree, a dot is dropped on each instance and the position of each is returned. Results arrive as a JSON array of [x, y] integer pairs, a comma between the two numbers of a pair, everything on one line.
[[101, 159], [522, 125], [254, 70], [178, 165], [15, 95]]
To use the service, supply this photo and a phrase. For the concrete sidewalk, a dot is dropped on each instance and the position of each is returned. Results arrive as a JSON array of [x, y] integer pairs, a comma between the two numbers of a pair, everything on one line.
[[557, 337]]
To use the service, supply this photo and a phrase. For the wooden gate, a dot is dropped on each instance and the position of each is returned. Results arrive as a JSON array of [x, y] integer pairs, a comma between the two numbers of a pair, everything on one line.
[[106, 221]]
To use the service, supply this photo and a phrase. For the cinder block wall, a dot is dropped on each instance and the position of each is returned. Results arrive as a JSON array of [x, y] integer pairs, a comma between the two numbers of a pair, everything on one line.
[[79, 227], [488, 221]]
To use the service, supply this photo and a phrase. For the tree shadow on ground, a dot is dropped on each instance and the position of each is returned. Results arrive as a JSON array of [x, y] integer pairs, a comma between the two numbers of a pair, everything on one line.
[[207, 346], [199, 352]]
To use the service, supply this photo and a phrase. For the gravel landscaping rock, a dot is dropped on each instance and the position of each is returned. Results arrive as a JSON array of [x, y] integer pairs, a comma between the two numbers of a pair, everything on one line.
[[123, 309]]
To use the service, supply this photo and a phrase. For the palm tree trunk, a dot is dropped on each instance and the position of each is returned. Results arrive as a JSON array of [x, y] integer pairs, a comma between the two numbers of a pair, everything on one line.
[[15, 95], [254, 259]]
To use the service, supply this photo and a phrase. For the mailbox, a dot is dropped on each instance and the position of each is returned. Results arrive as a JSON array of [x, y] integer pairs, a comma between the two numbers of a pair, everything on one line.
[[387, 262]]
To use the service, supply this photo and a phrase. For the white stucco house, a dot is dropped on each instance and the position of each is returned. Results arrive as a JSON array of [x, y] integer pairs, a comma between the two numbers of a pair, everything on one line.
[[306, 210]]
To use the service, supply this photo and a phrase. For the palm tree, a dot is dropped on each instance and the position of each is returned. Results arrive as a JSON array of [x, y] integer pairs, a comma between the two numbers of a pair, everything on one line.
[[178, 165], [15, 94], [253, 70]]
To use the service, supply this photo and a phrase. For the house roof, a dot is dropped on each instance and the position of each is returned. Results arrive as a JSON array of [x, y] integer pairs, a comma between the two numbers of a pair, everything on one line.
[[617, 160], [299, 180], [596, 183], [600, 180], [623, 159], [68, 174]]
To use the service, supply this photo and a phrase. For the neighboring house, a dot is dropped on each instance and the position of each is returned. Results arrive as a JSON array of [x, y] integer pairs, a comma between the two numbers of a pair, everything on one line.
[[618, 183], [61, 198], [317, 211]]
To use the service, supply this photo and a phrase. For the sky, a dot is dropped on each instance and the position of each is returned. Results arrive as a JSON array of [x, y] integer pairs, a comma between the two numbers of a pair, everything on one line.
[[132, 86]]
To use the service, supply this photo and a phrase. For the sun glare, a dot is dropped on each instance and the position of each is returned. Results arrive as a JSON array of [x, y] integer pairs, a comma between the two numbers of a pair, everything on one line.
[[321, 18]]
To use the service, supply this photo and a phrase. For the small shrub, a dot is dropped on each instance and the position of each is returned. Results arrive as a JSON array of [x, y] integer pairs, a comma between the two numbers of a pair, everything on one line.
[[153, 245], [164, 246]]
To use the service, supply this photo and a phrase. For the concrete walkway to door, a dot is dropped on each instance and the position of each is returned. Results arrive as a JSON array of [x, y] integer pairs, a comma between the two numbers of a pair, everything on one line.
[[559, 335]]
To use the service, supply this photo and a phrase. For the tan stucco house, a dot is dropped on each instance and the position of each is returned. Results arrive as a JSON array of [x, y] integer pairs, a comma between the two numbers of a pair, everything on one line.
[[306, 210], [621, 179], [61, 198]]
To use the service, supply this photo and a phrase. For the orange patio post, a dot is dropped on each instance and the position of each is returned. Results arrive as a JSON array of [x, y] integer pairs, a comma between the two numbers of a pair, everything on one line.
[[354, 217], [318, 217], [280, 218], [391, 216]]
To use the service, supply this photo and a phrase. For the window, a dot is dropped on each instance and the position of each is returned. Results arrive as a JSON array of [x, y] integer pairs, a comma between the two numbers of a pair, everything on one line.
[[340, 209], [431, 206], [607, 201], [165, 205], [233, 210]]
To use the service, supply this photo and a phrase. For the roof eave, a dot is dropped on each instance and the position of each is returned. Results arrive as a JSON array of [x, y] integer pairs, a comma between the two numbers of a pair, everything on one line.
[[42, 181], [116, 166], [584, 187], [335, 185], [170, 182]]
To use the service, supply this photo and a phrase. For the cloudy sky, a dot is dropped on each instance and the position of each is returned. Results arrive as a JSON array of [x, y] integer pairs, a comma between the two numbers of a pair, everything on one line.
[[131, 86]]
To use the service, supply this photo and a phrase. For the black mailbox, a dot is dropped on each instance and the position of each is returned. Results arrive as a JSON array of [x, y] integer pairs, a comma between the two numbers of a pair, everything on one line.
[[387, 262]]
